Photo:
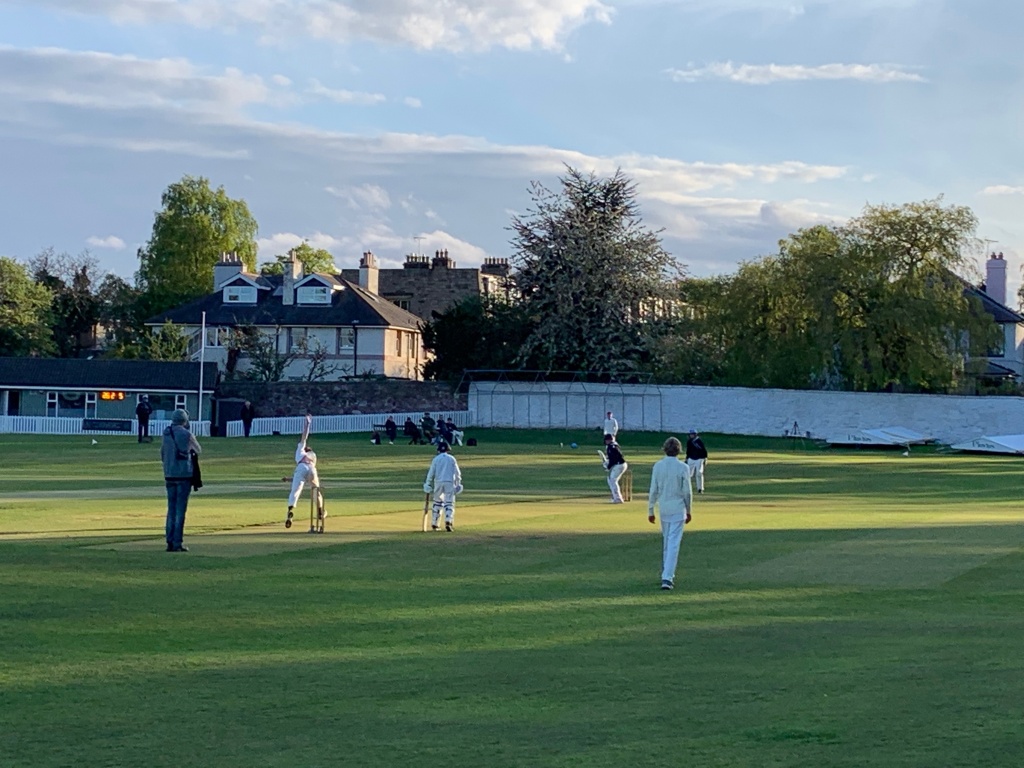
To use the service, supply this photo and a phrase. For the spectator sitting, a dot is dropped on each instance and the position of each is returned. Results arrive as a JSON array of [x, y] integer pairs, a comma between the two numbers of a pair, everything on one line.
[[443, 432], [429, 427], [411, 430], [455, 433]]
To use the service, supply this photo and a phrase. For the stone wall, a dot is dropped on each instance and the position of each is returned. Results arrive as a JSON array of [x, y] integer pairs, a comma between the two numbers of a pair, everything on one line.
[[332, 398]]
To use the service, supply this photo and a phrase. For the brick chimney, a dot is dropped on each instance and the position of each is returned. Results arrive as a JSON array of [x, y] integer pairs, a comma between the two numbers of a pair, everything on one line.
[[292, 274], [229, 267], [369, 274], [995, 277]]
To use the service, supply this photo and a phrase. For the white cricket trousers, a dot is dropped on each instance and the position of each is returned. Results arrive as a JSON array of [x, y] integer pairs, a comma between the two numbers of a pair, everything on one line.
[[613, 480], [444, 498], [303, 474], [697, 472], [671, 538]]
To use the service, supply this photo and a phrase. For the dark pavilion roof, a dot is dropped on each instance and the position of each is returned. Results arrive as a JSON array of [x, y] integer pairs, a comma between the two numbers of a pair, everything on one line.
[[149, 375]]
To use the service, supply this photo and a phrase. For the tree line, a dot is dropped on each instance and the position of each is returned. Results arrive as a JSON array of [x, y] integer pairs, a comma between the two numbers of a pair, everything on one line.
[[875, 304]]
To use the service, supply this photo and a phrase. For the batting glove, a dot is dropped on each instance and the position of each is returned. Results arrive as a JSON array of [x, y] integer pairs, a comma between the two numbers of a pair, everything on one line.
[[458, 489]]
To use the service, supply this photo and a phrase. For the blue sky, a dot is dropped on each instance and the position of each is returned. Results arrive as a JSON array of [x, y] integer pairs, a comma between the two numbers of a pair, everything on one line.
[[363, 124]]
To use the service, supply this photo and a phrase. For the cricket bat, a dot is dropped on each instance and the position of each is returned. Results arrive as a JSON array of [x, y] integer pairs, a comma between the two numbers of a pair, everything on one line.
[[426, 510], [604, 459]]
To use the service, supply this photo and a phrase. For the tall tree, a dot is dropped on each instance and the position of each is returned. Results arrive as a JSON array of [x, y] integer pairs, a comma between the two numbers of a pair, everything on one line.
[[75, 310], [194, 226], [877, 304], [477, 332], [122, 316], [586, 266], [313, 260], [25, 312]]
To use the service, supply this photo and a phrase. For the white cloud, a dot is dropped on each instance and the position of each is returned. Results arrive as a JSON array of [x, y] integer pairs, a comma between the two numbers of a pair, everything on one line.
[[454, 25], [765, 74], [363, 197], [343, 96], [111, 241], [1001, 190], [281, 80], [412, 101]]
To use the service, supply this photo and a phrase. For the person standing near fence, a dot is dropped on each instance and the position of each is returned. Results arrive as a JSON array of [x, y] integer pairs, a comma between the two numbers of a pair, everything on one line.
[[616, 464], [611, 426], [305, 471], [391, 430], [247, 415], [671, 492], [177, 450], [142, 413], [696, 458]]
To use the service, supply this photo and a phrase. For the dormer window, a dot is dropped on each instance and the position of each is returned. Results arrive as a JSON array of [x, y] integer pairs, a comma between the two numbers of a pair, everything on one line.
[[314, 294], [239, 294]]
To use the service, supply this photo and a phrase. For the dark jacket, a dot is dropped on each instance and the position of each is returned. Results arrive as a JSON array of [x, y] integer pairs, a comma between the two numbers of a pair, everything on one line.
[[695, 449], [143, 409], [248, 413], [614, 455], [390, 428]]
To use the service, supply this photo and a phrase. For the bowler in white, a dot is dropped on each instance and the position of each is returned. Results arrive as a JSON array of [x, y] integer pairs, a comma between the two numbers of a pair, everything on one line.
[[672, 494]]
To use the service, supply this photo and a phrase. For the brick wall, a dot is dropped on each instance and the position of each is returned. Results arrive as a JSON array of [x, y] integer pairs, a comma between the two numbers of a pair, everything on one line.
[[329, 398]]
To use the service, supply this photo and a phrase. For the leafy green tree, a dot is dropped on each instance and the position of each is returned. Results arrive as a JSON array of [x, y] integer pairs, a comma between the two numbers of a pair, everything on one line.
[[168, 343], [25, 312], [585, 268], [122, 317], [75, 310], [877, 304], [313, 260], [479, 332], [195, 225]]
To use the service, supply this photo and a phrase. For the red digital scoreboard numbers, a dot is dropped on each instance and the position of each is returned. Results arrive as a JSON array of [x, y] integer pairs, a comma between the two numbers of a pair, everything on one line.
[[112, 395]]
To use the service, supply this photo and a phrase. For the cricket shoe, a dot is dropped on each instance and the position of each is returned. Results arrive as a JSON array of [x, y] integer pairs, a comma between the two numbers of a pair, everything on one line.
[[666, 584], [434, 526], [288, 520], [449, 527]]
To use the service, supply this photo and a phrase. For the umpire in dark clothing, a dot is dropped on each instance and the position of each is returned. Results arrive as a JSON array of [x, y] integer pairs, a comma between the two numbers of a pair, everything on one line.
[[247, 415], [142, 412]]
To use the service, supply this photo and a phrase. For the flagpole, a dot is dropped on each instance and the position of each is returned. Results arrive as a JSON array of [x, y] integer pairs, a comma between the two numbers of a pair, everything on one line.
[[202, 360]]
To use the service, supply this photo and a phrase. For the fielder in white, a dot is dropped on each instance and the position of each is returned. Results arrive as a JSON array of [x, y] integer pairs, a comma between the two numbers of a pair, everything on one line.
[[670, 490], [444, 480], [305, 471], [611, 426]]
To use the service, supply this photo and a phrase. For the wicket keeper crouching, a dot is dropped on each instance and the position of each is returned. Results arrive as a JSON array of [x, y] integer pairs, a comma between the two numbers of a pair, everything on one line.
[[444, 481]]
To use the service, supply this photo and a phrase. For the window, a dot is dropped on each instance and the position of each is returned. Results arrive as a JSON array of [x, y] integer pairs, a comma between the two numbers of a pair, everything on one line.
[[239, 294], [402, 304], [296, 339], [398, 343], [180, 401], [314, 294], [217, 337], [346, 337], [51, 404], [90, 405]]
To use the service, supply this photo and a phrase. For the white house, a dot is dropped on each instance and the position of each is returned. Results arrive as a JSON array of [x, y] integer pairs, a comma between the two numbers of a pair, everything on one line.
[[1006, 359], [360, 332]]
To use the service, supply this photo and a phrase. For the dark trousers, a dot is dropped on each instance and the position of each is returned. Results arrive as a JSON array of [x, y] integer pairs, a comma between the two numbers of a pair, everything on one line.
[[143, 429], [178, 492], [247, 426]]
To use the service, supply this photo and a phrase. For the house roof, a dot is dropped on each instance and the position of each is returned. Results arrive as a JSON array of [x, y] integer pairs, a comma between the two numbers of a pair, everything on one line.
[[148, 375], [349, 306], [1000, 312]]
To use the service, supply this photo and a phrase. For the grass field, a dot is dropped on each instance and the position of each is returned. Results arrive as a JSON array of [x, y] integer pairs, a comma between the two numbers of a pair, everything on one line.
[[833, 608]]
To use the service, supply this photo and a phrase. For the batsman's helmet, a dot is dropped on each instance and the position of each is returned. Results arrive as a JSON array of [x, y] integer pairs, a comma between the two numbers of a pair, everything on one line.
[[442, 446]]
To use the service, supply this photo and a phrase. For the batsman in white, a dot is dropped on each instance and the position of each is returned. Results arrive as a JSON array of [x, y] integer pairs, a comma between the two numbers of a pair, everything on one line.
[[305, 471], [671, 491], [444, 480]]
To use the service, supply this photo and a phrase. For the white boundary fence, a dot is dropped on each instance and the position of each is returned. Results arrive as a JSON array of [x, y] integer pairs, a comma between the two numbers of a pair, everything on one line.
[[738, 411], [363, 422], [69, 425]]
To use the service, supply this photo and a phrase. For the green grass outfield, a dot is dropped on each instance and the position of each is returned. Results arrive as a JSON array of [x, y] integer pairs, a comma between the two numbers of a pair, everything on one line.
[[833, 608]]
